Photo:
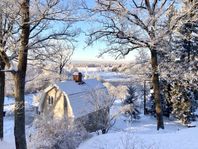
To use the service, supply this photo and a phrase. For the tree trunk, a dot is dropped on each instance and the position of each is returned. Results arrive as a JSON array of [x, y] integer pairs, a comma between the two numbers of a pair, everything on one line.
[[19, 78], [19, 127], [2, 94], [60, 70], [2, 79], [155, 82]]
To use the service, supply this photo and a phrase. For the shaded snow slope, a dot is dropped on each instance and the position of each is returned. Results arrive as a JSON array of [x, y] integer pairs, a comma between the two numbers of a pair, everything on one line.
[[144, 135], [184, 139]]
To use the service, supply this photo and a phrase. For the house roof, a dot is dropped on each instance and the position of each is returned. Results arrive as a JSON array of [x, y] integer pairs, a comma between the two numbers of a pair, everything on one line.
[[72, 87], [88, 102], [83, 98]]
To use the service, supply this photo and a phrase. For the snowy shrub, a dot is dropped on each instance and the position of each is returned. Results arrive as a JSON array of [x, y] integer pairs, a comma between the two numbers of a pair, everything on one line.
[[56, 134], [111, 89], [118, 92], [130, 108]]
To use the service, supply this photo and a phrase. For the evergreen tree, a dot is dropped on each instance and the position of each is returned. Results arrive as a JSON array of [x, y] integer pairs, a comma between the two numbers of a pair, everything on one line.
[[178, 65], [182, 102], [129, 104]]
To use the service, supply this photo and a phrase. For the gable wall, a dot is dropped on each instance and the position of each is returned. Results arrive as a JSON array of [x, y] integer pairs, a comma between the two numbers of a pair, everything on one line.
[[55, 110]]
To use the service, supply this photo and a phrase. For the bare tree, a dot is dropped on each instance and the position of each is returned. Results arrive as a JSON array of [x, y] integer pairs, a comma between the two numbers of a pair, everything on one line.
[[63, 53], [35, 29], [6, 31], [129, 25], [57, 55]]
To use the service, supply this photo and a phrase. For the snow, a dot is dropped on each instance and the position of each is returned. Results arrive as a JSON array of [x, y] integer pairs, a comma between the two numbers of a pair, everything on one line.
[[139, 134], [87, 102], [71, 87], [178, 139], [96, 72], [8, 142], [142, 133], [5, 145]]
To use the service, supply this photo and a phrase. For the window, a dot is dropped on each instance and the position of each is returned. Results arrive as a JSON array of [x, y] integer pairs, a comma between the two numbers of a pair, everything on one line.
[[50, 100]]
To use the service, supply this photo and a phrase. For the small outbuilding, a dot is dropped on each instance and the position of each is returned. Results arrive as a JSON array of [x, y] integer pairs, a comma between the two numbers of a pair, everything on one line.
[[77, 100]]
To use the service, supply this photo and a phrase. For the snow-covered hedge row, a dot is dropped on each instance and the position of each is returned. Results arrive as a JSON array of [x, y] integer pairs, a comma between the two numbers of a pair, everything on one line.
[[56, 134]]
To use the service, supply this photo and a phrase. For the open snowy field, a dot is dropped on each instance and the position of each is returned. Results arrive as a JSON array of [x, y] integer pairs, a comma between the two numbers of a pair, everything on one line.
[[105, 75]]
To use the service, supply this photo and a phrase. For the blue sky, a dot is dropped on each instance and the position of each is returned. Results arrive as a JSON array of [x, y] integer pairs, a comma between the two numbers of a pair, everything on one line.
[[91, 52], [82, 52]]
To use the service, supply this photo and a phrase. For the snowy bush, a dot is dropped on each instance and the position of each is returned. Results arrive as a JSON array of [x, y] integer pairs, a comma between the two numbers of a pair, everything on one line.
[[119, 92], [56, 134]]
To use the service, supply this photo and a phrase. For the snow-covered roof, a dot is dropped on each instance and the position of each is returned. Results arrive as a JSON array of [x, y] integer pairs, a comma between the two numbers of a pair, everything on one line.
[[72, 87], [88, 102]]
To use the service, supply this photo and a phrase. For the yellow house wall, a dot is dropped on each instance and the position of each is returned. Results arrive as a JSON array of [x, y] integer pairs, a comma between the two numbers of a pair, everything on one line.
[[55, 110]]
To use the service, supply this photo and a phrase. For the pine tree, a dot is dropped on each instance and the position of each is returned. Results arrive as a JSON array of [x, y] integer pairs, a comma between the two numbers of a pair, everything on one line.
[[179, 62], [182, 102], [129, 104]]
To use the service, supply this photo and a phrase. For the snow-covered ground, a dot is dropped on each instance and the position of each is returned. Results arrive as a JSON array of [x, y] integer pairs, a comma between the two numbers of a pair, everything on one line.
[[146, 138], [8, 142], [140, 134], [5, 145]]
